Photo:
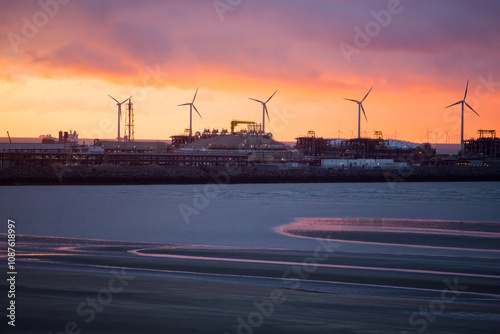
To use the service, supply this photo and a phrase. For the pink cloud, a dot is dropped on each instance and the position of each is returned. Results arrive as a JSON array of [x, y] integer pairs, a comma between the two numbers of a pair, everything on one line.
[[296, 40]]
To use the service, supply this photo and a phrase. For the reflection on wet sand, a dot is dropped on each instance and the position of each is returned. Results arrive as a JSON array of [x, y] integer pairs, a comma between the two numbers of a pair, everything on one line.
[[193, 289], [407, 232]]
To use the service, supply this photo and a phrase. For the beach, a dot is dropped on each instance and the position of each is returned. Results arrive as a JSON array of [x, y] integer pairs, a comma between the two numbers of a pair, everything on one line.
[[260, 258], [111, 287]]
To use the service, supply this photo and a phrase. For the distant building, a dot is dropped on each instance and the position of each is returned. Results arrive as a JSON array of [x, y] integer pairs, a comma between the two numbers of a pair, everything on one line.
[[131, 146], [66, 137], [258, 147], [365, 148], [486, 146], [362, 164]]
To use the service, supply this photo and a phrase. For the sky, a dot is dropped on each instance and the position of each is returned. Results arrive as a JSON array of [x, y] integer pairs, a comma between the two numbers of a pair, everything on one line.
[[59, 60]]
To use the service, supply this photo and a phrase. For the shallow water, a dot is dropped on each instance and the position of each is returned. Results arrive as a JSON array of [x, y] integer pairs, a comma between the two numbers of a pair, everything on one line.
[[233, 215]]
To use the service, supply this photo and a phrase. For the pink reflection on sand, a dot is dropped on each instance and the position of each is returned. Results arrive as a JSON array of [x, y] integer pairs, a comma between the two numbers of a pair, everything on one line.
[[290, 263], [371, 230]]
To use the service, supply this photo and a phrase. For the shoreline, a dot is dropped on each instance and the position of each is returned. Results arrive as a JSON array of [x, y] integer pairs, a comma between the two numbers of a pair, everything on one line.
[[150, 175]]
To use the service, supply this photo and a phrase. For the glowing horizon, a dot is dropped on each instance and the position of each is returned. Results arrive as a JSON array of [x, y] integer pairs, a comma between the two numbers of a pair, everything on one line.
[[417, 56]]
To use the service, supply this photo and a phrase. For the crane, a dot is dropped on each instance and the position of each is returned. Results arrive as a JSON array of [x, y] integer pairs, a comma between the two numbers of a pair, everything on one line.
[[234, 123]]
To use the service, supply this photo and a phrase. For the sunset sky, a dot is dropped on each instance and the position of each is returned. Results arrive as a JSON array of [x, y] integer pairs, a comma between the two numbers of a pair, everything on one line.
[[59, 60]]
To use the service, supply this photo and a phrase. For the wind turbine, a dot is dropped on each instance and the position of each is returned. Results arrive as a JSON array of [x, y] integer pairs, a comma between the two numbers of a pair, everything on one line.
[[463, 103], [428, 131], [264, 111], [447, 135], [191, 106], [119, 104], [396, 133], [339, 132], [360, 108]]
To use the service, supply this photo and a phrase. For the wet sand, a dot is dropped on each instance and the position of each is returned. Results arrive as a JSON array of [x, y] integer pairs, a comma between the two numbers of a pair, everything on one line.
[[197, 289], [414, 232]]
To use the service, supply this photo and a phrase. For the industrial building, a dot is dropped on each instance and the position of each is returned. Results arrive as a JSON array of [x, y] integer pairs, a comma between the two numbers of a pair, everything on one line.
[[248, 147], [210, 149], [110, 146], [486, 146], [362, 164], [63, 154], [257, 146], [364, 148]]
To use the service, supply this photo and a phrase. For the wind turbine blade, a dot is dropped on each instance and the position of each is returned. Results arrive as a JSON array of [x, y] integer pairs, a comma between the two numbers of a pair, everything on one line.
[[471, 108], [256, 100], [125, 100], [454, 104], [363, 109], [113, 98], [267, 113], [197, 111], [466, 89], [367, 94], [195, 94], [352, 100], [271, 96], [184, 104]]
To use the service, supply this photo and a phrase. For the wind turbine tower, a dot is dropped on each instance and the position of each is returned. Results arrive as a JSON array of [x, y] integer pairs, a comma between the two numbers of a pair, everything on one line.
[[339, 132], [396, 133], [428, 132], [466, 104], [264, 111], [191, 106], [446, 132], [119, 104], [360, 108]]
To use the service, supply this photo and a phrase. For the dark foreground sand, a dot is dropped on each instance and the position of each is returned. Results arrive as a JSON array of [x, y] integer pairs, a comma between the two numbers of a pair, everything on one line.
[[82, 286]]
